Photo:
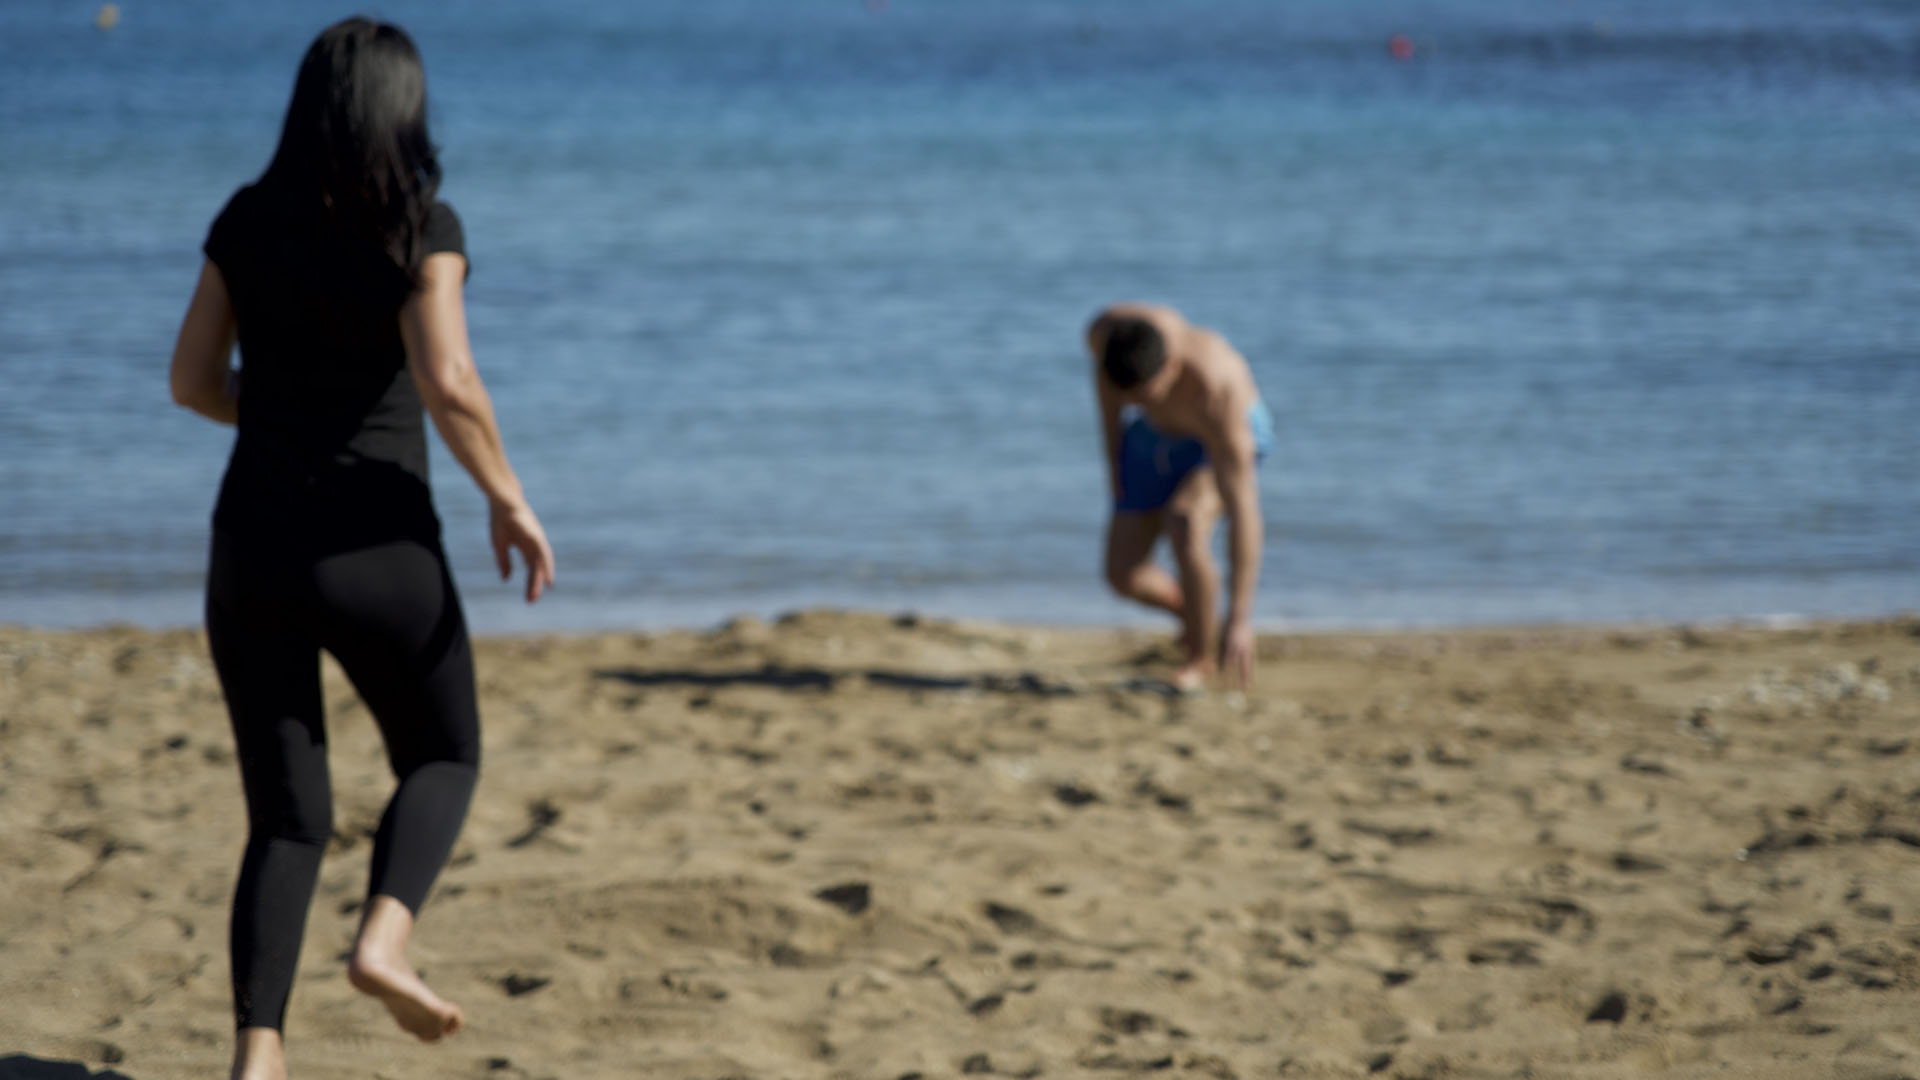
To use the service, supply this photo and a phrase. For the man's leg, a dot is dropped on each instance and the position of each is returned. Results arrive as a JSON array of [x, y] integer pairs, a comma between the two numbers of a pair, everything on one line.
[[1130, 568], [1191, 516]]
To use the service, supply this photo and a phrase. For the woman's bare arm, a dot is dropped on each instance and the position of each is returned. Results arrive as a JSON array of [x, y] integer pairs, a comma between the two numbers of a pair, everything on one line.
[[433, 324], [201, 375]]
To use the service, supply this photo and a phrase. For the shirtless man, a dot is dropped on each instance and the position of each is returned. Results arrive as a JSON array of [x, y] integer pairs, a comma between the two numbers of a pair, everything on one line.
[[1184, 428]]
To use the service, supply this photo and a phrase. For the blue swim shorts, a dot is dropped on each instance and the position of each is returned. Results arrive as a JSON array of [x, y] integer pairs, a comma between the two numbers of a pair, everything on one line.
[[1152, 464]]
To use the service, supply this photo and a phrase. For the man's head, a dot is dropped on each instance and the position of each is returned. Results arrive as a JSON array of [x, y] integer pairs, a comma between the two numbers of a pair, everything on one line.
[[1135, 351]]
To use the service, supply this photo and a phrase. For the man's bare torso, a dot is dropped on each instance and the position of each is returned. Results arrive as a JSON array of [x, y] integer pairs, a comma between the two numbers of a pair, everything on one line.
[[1214, 386]]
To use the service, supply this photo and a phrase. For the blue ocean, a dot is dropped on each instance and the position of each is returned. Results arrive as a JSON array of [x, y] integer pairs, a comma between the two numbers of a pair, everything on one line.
[[1568, 310]]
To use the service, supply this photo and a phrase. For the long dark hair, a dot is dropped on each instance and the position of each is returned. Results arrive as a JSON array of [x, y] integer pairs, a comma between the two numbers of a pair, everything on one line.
[[356, 140]]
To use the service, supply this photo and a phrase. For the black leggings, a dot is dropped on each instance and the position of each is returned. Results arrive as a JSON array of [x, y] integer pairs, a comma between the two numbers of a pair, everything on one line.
[[389, 614]]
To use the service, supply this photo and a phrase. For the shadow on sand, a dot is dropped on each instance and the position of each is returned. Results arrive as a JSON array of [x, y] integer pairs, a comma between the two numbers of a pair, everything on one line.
[[778, 677], [23, 1067]]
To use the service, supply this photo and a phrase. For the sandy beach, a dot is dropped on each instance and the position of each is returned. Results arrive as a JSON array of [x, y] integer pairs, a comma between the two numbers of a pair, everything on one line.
[[846, 845]]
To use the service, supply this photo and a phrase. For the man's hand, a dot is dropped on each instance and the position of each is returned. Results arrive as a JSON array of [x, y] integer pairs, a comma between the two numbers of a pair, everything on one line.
[[1236, 653]]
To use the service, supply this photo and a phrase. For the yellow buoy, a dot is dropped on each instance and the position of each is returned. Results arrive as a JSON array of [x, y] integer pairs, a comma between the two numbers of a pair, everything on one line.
[[108, 18]]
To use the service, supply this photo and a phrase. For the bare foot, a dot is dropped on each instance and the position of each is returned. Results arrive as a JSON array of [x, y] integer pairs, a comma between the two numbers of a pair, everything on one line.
[[1192, 676], [418, 1010], [257, 1055], [379, 969]]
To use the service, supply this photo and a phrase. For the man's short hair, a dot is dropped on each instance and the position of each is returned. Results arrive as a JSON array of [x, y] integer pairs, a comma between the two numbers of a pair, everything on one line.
[[1135, 352]]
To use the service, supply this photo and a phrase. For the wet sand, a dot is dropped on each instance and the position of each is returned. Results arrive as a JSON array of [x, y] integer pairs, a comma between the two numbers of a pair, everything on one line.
[[852, 845]]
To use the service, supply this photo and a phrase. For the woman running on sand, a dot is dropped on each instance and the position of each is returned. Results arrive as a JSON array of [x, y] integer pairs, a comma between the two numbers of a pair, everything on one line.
[[340, 275]]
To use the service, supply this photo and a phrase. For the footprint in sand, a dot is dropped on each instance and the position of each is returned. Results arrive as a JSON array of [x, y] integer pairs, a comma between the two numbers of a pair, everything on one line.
[[517, 985], [1515, 952], [852, 898]]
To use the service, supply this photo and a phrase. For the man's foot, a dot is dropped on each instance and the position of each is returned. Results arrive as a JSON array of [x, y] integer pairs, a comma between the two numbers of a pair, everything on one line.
[[379, 969], [1192, 676], [1189, 643]]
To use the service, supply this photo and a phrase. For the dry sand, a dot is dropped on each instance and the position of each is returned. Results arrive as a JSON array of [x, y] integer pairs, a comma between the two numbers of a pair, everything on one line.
[[845, 845]]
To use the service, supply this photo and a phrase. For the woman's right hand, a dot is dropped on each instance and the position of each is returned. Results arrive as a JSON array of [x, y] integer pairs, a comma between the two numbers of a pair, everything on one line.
[[513, 525]]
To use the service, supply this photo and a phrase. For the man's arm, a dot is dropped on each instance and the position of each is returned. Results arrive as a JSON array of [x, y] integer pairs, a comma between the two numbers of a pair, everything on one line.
[[1239, 492], [1233, 469], [1108, 402]]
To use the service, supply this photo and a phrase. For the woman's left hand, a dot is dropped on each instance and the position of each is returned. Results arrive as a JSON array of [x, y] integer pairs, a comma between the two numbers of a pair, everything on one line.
[[514, 526]]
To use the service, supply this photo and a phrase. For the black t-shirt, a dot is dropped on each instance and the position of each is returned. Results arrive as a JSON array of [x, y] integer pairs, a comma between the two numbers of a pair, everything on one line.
[[332, 445]]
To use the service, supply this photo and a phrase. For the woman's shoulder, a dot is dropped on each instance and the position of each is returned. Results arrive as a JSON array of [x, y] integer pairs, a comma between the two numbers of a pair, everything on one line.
[[252, 206], [236, 205], [443, 215], [444, 231], [233, 227], [249, 198]]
